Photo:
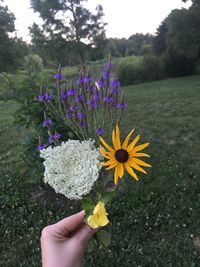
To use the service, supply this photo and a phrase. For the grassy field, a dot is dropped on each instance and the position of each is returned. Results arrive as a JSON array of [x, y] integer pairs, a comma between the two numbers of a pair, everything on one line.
[[155, 222]]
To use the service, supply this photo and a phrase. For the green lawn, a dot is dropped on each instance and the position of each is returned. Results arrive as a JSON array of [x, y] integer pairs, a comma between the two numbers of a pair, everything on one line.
[[155, 222]]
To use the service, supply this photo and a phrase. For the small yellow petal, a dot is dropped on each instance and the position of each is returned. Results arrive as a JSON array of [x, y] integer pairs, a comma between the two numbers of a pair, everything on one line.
[[132, 163], [93, 221], [120, 169], [111, 166], [139, 155], [99, 217], [109, 162], [140, 147], [125, 143], [130, 171], [133, 143], [106, 145], [117, 138], [141, 162]]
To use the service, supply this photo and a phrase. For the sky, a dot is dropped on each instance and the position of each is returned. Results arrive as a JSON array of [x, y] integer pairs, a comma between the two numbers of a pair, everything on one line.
[[124, 18]]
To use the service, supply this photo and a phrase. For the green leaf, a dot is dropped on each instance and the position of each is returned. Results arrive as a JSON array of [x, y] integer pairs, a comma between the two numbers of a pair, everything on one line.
[[107, 196], [90, 246], [87, 204], [104, 238]]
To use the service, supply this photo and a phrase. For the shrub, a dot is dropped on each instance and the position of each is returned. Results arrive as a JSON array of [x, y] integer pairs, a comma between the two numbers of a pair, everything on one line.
[[179, 64], [130, 73], [153, 68]]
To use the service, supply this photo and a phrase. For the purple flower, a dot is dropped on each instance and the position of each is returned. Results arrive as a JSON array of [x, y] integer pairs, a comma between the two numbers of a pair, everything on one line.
[[58, 76], [47, 122], [92, 104], [41, 147], [114, 83], [73, 108], [100, 84], [41, 98], [80, 115], [95, 98], [79, 98], [63, 95], [113, 91], [83, 124], [106, 74], [99, 131], [71, 92], [69, 115], [80, 81], [108, 65], [87, 79], [121, 105], [107, 99], [48, 97], [54, 137]]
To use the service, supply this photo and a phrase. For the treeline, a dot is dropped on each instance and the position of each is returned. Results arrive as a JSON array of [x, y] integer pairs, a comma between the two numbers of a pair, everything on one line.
[[70, 34]]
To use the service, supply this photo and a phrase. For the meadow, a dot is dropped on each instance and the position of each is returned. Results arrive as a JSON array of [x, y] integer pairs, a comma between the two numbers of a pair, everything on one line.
[[154, 222]]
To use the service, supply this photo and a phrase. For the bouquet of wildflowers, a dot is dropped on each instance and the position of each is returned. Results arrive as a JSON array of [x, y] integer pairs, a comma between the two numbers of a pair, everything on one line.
[[89, 168]]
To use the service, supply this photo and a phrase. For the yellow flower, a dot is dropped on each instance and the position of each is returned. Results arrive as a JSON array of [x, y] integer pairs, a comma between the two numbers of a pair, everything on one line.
[[123, 156], [99, 217]]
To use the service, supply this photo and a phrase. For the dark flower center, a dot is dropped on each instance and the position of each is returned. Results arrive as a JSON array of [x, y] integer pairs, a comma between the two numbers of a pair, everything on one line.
[[121, 155]]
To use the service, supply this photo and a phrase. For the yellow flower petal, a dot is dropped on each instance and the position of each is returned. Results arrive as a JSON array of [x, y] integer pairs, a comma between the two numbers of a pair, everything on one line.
[[111, 166], [130, 171], [120, 169], [132, 163], [139, 155], [106, 145], [133, 143], [141, 163], [117, 138], [109, 162], [140, 147], [125, 143], [99, 217]]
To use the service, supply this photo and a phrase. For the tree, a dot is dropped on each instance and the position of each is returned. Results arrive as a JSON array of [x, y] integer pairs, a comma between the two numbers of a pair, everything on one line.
[[69, 21], [178, 40]]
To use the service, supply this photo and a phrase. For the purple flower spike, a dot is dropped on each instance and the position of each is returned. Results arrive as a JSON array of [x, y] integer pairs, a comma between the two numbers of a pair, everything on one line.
[[121, 105], [69, 115], [107, 99], [114, 84], [48, 97], [80, 115], [47, 122], [73, 108], [54, 137], [108, 65], [41, 98], [80, 81], [100, 84], [87, 79], [41, 147], [79, 98], [71, 92], [99, 131], [83, 124], [106, 75], [58, 76], [63, 95]]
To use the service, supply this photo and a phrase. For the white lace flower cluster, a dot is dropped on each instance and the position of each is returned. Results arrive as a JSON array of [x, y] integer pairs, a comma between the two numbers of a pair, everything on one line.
[[72, 168]]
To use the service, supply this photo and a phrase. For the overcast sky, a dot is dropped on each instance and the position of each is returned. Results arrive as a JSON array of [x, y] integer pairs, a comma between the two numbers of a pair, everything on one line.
[[124, 18]]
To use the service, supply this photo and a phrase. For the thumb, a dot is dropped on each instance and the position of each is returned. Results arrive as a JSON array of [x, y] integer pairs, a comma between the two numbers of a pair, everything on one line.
[[70, 223], [85, 233]]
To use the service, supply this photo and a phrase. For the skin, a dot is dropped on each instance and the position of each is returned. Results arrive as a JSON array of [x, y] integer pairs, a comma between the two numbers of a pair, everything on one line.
[[63, 244]]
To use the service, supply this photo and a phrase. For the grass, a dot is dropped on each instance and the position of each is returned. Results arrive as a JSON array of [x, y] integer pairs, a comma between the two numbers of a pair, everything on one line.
[[155, 222]]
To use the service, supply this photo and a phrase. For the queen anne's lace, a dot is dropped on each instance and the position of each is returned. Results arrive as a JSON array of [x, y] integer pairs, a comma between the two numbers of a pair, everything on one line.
[[71, 168]]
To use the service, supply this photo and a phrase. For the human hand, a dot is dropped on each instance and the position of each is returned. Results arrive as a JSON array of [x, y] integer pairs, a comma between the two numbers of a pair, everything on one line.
[[63, 244]]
